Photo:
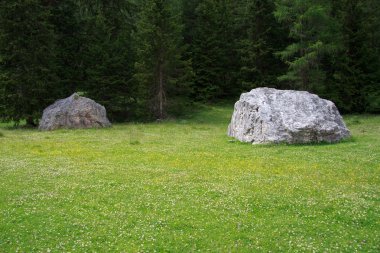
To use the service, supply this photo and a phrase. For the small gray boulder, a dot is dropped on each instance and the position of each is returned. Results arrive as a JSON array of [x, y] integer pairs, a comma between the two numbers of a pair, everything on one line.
[[266, 115], [74, 112]]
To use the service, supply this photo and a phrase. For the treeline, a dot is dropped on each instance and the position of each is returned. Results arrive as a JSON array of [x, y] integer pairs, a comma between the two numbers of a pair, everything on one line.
[[150, 59]]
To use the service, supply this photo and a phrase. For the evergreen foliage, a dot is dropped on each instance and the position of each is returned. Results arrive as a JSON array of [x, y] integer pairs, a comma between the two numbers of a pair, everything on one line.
[[107, 56], [27, 59], [214, 53], [311, 31], [356, 69], [68, 32], [148, 59], [161, 71], [262, 37]]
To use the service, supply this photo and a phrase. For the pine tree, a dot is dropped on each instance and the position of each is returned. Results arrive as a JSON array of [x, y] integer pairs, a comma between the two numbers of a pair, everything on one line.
[[312, 31], [27, 60], [161, 72]]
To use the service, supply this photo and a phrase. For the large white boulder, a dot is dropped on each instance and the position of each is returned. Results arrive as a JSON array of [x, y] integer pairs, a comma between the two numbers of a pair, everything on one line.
[[74, 112], [266, 115]]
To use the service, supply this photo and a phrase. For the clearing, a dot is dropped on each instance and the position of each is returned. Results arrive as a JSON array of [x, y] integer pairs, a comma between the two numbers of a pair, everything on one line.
[[184, 186]]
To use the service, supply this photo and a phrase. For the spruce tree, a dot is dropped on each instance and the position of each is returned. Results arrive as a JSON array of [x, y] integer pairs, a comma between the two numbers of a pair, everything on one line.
[[311, 31], [66, 21], [261, 38], [214, 52], [27, 60], [355, 71], [161, 72], [107, 55]]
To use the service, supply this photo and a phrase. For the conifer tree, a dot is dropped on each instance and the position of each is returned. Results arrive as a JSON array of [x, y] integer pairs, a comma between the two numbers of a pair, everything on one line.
[[144, 58], [261, 38], [27, 60], [311, 30], [107, 56], [67, 25], [355, 73], [161, 72], [214, 52]]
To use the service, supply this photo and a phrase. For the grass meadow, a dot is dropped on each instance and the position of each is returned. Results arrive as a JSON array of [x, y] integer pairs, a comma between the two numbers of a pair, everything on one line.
[[184, 186]]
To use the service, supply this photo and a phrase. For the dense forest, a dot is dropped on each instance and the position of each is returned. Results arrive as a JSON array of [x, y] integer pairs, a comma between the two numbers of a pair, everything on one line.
[[150, 59]]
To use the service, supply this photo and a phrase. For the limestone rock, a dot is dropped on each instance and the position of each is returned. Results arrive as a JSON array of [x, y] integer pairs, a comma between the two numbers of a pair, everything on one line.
[[74, 112], [266, 115]]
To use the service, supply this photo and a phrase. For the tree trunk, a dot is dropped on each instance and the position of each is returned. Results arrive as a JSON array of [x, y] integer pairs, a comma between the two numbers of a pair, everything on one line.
[[30, 122]]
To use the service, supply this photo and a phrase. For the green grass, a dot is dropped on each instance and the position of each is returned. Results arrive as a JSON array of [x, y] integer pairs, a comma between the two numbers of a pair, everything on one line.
[[183, 186]]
